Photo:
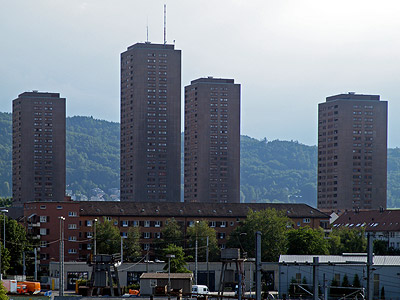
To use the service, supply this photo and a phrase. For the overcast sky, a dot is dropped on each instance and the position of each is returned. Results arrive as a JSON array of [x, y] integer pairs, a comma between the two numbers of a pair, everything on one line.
[[287, 55]]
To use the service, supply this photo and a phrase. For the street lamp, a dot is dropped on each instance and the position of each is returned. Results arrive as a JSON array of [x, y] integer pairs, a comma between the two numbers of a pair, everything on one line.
[[169, 270], [95, 248], [61, 283]]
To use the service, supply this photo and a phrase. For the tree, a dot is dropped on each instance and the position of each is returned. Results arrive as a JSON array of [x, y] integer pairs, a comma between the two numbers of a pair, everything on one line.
[[178, 263], [273, 225], [3, 292], [171, 234], [351, 240], [380, 247], [131, 245], [107, 238], [306, 240], [200, 231], [16, 244], [356, 281]]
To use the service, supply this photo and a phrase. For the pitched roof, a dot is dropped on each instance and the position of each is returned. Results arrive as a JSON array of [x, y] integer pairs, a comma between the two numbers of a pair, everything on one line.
[[371, 220], [176, 209], [165, 276]]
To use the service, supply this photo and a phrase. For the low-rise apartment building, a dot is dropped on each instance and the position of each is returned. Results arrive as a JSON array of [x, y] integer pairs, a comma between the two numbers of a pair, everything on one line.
[[42, 221]]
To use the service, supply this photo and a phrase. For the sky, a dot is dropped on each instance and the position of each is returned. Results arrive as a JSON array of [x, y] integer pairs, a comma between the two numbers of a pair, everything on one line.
[[288, 55]]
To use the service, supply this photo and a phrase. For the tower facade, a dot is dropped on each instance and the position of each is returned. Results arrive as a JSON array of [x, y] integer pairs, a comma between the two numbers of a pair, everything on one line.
[[352, 152], [38, 167], [150, 123], [212, 141]]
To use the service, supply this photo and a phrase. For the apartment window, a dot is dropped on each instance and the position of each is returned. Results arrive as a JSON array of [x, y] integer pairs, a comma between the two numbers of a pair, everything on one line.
[[72, 226], [146, 235], [223, 224], [212, 224], [43, 219], [146, 246], [89, 246], [125, 223], [89, 223], [157, 224], [306, 220], [135, 223], [146, 223], [43, 231], [157, 235], [43, 244], [42, 206], [71, 251], [59, 207], [72, 214], [72, 238], [124, 235]]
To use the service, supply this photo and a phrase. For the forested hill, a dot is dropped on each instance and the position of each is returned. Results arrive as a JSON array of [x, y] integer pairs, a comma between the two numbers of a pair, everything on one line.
[[271, 171]]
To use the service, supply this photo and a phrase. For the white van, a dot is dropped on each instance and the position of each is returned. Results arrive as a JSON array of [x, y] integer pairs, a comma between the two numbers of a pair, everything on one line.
[[200, 289]]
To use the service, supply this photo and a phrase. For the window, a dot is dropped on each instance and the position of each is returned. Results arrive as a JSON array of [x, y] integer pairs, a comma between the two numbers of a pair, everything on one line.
[[42, 206], [59, 207], [43, 231], [146, 246], [72, 251], [157, 235], [124, 235], [72, 214], [89, 246], [43, 219], [212, 224], [306, 220], [125, 223], [135, 223], [89, 235], [146, 235], [89, 223], [223, 224], [157, 224], [146, 223], [72, 238], [43, 244], [72, 226]]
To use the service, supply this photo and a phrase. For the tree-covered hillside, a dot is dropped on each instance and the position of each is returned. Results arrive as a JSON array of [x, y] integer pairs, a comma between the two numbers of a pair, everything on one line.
[[271, 171]]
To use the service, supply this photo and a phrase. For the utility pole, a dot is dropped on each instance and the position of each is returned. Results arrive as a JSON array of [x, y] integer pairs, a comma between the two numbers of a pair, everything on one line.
[[122, 249], [35, 251], [23, 264], [61, 283], [208, 269], [370, 285], [258, 265], [315, 278], [325, 288]]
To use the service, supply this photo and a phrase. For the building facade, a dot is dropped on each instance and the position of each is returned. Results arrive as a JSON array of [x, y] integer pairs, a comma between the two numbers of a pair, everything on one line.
[[212, 141], [150, 123], [42, 221], [38, 167], [352, 152]]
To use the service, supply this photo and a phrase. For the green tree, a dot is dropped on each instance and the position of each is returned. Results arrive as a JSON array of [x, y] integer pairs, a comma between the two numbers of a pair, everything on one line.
[[273, 225], [16, 244], [178, 263], [356, 281], [131, 245], [351, 240], [200, 231], [306, 240], [107, 238], [3, 292], [171, 233], [380, 247]]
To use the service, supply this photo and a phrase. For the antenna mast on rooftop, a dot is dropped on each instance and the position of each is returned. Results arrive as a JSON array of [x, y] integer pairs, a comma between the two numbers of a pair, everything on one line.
[[147, 30], [165, 24]]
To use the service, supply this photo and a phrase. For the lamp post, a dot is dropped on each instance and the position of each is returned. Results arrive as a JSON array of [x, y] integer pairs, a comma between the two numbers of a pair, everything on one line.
[[95, 249], [169, 270], [61, 283]]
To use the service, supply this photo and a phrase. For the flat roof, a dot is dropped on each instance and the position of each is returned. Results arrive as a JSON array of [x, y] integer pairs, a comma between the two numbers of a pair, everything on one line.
[[149, 45], [353, 96], [213, 80], [165, 276]]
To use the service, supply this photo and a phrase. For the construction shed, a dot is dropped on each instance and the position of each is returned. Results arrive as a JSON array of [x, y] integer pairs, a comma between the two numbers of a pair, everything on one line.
[[149, 281]]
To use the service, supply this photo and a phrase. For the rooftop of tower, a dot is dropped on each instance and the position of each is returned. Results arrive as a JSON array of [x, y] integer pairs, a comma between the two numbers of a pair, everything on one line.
[[353, 96]]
